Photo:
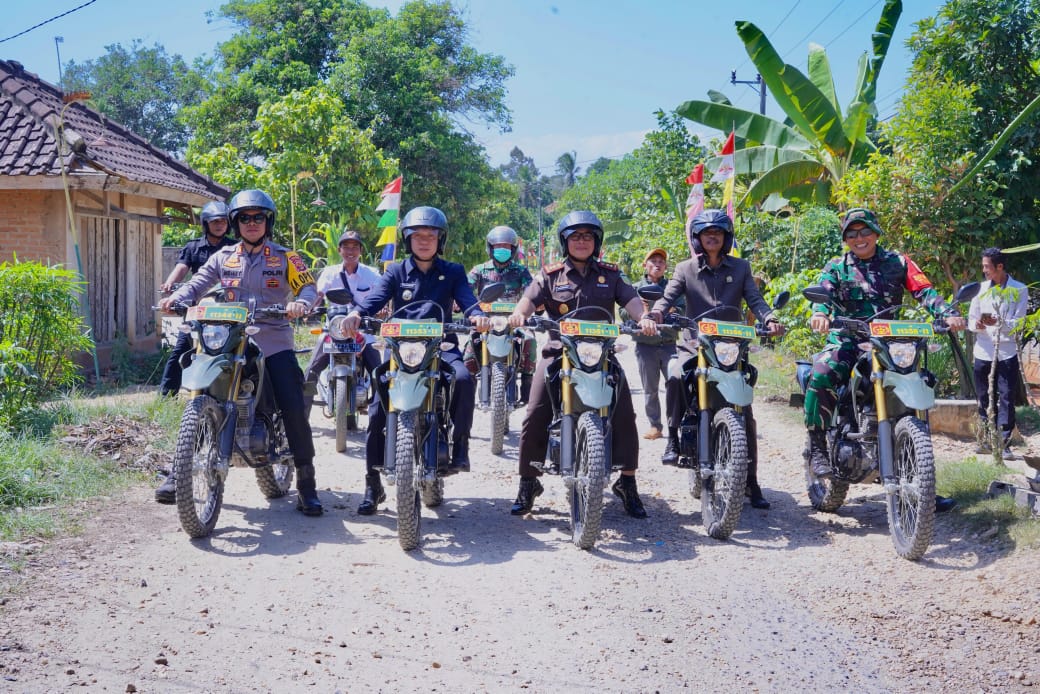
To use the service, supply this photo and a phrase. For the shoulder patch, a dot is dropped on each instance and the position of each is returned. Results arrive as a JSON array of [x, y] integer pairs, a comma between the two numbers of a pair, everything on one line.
[[553, 268], [299, 275], [609, 266]]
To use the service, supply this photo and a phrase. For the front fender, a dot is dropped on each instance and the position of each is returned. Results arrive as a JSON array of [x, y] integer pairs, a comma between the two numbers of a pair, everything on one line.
[[732, 386], [204, 370], [499, 346], [341, 371], [592, 388], [408, 391], [910, 389]]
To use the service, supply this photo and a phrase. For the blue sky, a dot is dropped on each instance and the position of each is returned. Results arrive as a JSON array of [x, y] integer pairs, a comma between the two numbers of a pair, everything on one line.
[[589, 73]]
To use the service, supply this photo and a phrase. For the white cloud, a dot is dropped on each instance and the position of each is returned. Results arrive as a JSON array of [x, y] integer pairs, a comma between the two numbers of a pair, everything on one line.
[[545, 149]]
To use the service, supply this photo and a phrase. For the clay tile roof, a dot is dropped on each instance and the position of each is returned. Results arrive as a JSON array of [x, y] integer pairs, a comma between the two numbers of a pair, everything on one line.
[[30, 118]]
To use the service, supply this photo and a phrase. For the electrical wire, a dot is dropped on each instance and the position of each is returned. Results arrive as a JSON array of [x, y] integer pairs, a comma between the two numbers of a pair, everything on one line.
[[48, 21], [818, 25], [854, 21], [779, 24]]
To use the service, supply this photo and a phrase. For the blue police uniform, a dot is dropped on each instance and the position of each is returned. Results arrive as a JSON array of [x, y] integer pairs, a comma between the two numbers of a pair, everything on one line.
[[409, 288]]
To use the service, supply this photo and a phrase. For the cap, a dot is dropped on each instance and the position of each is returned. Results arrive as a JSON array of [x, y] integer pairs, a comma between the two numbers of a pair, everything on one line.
[[863, 216], [350, 235], [657, 251]]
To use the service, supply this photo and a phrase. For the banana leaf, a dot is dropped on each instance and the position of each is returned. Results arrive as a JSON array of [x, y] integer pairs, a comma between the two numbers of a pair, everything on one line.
[[719, 98], [758, 160], [820, 74], [782, 179], [881, 41], [998, 145], [813, 115], [750, 126]]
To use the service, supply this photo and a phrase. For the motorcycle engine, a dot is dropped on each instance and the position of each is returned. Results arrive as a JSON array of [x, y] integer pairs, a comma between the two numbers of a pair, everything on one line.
[[258, 440], [852, 461]]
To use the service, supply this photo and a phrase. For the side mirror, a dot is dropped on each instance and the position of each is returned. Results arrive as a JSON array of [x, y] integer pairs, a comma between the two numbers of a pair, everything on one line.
[[339, 296], [967, 292], [492, 292], [781, 299], [817, 294], [650, 293]]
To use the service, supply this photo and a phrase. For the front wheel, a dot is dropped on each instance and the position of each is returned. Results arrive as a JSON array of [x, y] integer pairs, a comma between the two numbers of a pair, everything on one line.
[[499, 413], [911, 504], [200, 482], [275, 479], [408, 509], [723, 493], [587, 491], [341, 387]]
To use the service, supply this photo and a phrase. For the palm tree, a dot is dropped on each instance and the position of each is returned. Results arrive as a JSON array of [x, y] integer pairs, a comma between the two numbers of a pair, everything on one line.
[[567, 167]]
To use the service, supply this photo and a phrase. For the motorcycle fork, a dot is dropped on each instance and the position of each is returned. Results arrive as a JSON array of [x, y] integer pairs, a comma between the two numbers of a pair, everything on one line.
[[703, 413], [886, 450], [227, 427], [485, 373], [566, 419], [431, 438]]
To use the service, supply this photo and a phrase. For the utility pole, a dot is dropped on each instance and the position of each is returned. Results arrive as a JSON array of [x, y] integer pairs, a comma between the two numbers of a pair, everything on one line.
[[758, 84], [57, 40]]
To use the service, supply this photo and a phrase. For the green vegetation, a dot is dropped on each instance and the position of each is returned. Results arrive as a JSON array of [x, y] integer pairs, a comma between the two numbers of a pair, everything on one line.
[[968, 481]]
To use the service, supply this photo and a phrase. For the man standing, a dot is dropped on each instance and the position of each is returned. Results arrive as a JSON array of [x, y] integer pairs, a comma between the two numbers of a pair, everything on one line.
[[654, 351], [993, 316]]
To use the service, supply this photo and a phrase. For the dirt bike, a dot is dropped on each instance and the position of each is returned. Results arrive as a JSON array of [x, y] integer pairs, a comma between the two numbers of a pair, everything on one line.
[[879, 429], [716, 431], [343, 385], [412, 387], [499, 356], [582, 383], [231, 418]]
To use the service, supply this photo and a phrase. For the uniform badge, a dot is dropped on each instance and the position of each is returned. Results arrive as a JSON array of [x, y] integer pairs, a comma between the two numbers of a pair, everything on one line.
[[273, 261], [407, 295], [601, 279], [441, 278], [230, 294], [226, 282], [272, 283], [564, 308], [233, 261], [729, 279]]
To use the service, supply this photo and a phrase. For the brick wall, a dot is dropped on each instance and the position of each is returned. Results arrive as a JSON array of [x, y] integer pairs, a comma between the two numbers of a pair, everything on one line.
[[32, 225]]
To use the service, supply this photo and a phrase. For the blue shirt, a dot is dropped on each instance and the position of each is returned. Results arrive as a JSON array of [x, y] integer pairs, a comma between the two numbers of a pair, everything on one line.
[[403, 283]]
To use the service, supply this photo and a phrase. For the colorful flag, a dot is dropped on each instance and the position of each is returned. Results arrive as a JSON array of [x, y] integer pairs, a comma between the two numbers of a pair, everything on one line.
[[727, 174], [695, 200], [390, 206]]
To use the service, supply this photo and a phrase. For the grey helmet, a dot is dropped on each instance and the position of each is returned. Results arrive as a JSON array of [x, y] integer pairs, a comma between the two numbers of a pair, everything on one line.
[[580, 218], [502, 234], [424, 216], [213, 210], [711, 218], [249, 199]]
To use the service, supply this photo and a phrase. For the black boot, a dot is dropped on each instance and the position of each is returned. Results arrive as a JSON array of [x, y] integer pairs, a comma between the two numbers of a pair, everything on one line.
[[944, 504], [307, 501], [819, 461], [460, 455], [671, 449], [625, 489], [166, 493], [374, 495], [752, 489], [530, 488], [525, 389]]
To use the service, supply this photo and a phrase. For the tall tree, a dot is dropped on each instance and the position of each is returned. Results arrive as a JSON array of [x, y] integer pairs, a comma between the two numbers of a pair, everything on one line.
[[567, 167], [144, 89]]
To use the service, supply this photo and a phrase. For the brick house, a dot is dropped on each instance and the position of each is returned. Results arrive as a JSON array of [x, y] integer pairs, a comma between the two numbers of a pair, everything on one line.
[[119, 189]]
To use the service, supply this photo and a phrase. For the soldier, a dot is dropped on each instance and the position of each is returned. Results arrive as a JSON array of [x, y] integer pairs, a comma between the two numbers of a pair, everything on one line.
[[503, 266]]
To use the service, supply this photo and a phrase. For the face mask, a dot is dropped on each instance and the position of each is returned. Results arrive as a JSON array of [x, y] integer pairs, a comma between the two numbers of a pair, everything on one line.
[[502, 255]]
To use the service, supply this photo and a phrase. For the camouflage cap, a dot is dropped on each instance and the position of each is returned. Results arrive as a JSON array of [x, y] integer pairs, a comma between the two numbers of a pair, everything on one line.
[[863, 216]]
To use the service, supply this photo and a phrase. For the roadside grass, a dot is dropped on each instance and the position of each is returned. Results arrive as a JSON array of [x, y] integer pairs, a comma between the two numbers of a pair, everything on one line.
[[775, 374], [42, 478], [967, 481]]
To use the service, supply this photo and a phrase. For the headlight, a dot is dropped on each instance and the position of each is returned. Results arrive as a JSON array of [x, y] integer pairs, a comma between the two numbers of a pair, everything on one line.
[[336, 329], [903, 353], [412, 353], [214, 336], [727, 353], [589, 353], [499, 323]]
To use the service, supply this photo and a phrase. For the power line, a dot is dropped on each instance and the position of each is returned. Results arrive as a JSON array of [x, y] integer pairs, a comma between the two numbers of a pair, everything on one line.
[[780, 24], [854, 22], [818, 25], [48, 21]]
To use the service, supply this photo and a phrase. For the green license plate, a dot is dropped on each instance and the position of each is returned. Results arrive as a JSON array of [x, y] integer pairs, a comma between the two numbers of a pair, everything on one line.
[[587, 328], [498, 307], [726, 329], [901, 328], [411, 328], [218, 312]]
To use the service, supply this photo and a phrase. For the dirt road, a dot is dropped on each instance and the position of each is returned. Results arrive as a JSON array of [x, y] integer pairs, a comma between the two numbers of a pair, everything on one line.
[[274, 601]]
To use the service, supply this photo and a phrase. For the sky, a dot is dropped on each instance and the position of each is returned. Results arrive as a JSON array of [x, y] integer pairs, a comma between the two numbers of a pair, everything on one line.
[[589, 74]]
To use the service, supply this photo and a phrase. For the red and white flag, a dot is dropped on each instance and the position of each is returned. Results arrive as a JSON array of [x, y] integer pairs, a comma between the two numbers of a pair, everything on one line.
[[727, 174], [695, 200]]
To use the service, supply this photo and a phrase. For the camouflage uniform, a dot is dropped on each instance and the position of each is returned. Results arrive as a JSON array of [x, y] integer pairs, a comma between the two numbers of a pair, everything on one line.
[[516, 277], [862, 287]]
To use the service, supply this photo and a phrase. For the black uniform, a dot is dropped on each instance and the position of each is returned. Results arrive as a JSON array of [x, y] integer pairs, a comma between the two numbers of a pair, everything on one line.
[[194, 255], [560, 288]]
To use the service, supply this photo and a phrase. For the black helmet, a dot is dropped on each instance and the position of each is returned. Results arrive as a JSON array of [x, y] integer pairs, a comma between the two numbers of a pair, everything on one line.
[[424, 217], [249, 199], [213, 210], [581, 218], [711, 218], [351, 235], [502, 234]]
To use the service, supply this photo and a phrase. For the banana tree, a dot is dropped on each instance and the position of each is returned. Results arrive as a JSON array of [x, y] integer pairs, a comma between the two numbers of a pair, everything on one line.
[[816, 145]]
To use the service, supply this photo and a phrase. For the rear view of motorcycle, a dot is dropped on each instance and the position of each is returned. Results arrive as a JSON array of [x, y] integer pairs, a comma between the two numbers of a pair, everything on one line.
[[499, 357], [343, 385]]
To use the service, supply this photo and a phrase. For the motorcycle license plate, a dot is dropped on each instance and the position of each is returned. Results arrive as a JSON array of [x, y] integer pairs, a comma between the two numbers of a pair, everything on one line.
[[498, 307], [351, 347], [411, 328], [901, 328], [218, 312], [726, 329], [588, 328]]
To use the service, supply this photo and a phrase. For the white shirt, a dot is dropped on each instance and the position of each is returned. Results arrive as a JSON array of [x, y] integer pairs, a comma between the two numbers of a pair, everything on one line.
[[360, 283], [1008, 310]]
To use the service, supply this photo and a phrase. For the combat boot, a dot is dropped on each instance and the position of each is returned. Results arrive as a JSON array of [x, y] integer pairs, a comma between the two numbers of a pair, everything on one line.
[[625, 489], [374, 495], [671, 449], [166, 493], [307, 501], [753, 491], [819, 461], [530, 488]]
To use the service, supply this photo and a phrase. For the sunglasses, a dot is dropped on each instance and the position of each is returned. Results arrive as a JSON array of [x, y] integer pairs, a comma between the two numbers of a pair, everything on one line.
[[861, 233], [582, 236], [258, 218]]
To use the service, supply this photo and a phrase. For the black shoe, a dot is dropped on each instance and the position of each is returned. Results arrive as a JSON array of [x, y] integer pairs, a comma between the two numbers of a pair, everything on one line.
[[530, 488], [819, 461], [757, 500], [374, 495], [625, 489], [944, 504], [307, 501], [671, 449], [459, 456], [166, 493]]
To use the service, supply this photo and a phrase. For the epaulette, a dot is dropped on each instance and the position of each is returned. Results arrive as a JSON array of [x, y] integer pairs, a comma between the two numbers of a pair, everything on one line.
[[609, 266], [553, 268]]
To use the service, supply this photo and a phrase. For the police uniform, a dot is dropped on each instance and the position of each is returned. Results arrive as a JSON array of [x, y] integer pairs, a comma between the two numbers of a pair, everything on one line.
[[272, 275], [561, 288], [409, 288], [516, 278], [194, 255]]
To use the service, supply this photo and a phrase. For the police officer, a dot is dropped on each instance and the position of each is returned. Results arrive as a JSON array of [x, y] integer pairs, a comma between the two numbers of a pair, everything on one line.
[[502, 244], [421, 279], [193, 256], [579, 281], [712, 277], [257, 268]]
